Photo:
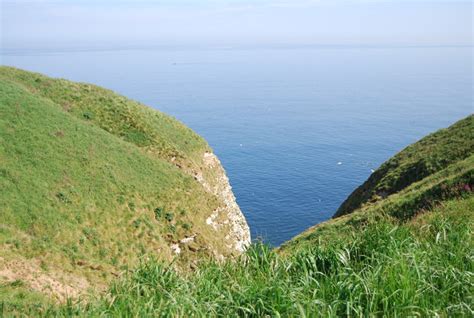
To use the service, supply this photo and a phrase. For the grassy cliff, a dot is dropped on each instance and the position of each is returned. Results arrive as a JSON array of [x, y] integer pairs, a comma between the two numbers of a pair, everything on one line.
[[402, 246], [423, 267], [409, 253], [427, 173], [92, 183], [426, 157]]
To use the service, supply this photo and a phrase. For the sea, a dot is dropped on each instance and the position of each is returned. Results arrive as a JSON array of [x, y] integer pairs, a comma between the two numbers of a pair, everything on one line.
[[296, 128]]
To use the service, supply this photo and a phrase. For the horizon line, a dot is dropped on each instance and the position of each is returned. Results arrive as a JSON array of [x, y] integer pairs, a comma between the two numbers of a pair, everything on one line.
[[25, 50]]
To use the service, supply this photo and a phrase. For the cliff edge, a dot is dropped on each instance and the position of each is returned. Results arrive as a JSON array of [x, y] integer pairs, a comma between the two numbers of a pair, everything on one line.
[[92, 183]]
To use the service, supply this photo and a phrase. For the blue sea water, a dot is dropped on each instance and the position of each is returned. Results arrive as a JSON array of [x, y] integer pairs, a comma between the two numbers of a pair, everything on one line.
[[297, 129]]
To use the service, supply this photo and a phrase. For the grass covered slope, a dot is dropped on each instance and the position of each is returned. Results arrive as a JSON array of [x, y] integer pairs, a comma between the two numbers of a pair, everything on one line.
[[452, 177], [91, 183], [83, 201], [127, 119], [157, 135], [423, 267], [408, 254], [419, 160]]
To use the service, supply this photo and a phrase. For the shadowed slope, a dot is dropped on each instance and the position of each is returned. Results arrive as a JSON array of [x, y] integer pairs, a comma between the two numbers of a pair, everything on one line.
[[419, 160]]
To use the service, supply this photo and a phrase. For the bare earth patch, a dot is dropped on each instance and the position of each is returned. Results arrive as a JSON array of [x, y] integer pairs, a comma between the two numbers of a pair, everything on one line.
[[57, 284]]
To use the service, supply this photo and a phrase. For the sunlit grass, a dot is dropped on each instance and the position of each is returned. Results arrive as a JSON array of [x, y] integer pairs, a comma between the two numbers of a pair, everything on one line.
[[78, 197], [428, 156], [420, 268], [92, 185]]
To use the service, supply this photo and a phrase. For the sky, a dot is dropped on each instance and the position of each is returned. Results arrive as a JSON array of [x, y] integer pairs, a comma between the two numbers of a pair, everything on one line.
[[83, 23]]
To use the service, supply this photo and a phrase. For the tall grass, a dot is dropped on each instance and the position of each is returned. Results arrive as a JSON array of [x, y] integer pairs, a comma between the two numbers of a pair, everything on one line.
[[422, 268]]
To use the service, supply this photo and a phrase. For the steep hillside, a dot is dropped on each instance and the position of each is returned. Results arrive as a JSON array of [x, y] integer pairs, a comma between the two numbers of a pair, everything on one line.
[[422, 268], [419, 160], [408, 254], [92, 182], [454, 182], [437, 168], [84, 199], [419, 268]]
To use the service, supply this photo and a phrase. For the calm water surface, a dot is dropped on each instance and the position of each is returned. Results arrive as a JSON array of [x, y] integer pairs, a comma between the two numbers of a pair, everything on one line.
[[296, 129]]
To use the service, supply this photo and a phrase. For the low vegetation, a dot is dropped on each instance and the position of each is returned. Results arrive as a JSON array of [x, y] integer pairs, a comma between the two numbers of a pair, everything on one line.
[[431, 154], [83, 197], [423, 267], [401, 246]]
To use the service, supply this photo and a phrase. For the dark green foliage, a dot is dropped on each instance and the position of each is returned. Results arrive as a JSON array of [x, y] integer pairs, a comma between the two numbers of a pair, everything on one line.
[[431, 154], [88, 115], [62, 197], [169, 216], [186, 226], [136, 223], [158, 213]]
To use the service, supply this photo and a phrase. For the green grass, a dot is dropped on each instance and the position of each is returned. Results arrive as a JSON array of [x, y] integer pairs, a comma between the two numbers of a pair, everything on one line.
[[453, 182], [79, 194], [158, 135], [127, 119], [95, 186], [431, 154], [423, 267]]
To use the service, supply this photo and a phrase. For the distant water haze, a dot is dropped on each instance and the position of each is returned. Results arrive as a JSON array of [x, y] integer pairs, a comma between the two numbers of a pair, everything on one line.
[[230, 23], [296, 129]]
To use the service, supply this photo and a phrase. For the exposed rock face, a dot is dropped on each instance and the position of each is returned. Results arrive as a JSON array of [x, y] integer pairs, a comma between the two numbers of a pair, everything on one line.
[[215, 181]]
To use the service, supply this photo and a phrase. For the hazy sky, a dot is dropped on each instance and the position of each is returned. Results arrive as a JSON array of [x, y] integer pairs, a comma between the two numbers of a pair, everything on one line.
[[30, 23]]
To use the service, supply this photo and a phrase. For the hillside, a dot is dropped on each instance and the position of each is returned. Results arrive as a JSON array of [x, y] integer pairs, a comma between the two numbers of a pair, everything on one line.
[[427, 173], [420, 268], [408, 254], [93, 190], [431, 154], [91, 183]]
